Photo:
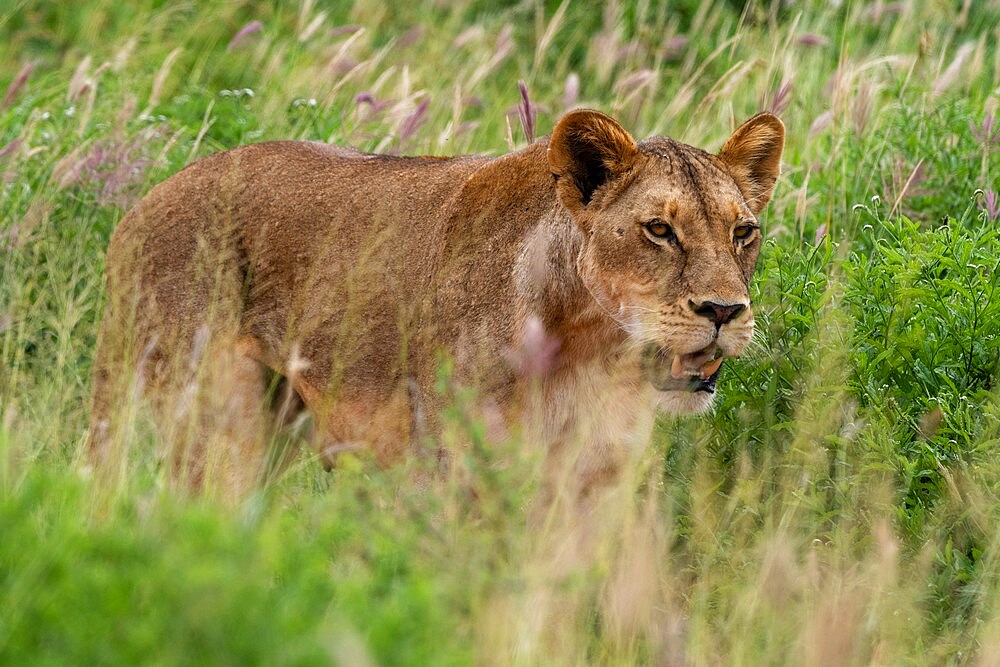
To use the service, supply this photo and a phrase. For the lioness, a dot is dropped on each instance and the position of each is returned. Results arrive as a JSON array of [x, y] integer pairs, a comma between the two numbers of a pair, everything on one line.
[[621, 267]]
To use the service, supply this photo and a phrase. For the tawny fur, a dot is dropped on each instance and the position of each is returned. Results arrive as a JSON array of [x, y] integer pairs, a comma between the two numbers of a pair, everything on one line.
[[352, 274]]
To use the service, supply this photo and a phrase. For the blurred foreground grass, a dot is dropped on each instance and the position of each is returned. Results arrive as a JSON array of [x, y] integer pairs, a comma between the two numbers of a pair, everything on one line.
[[840, 506]]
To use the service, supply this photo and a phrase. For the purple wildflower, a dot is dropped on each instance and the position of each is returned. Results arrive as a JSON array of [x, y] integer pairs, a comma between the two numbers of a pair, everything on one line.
[[244, 34], [990, 205], [17, 85], [526, 112]]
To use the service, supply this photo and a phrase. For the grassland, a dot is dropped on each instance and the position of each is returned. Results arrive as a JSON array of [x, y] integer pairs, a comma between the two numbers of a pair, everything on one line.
[[840, 506]]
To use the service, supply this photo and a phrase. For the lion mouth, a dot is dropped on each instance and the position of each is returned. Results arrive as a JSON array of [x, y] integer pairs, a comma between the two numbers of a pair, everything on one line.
[[695, 371]]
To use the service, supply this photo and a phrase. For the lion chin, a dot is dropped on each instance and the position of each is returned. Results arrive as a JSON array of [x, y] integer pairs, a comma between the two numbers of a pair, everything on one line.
[[685, 402]]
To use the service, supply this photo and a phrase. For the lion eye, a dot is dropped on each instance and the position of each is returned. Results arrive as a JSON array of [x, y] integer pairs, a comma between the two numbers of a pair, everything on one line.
[[660, 230], [743, 232]]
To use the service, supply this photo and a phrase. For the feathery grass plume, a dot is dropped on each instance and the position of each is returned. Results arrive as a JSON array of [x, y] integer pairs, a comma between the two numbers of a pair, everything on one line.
[[122, 55], [535, 354], [951, 74], [375, 106], [245, 34], [571, 91], [820, 123], [838, 504], [904, 182], [635, 90], [11, 148], [160, 80], [990, 204], [470, 35], [985, 134], [113, 168], [17, 85], [501, 49], [674, 47], [342, 30], [81, 82], [410, 37], [526, 112], [551, 29], [10, 238], [820, 234], [879, 10], [306, 33], [414, 121], [605, 48], [777, 102], [861, 106], [812, 39]]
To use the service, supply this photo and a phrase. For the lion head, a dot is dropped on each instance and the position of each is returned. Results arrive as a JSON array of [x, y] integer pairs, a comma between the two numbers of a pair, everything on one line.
[[670, 240]]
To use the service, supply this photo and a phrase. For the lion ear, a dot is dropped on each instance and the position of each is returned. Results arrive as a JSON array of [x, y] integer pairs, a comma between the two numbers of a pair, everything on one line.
[[587, 149], [753, 155]]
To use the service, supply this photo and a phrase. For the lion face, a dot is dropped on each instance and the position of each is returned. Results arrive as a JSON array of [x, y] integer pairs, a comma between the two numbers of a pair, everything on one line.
[[670, 241]]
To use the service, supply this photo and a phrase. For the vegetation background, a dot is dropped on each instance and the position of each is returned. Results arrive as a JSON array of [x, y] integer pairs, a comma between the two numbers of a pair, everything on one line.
[[840, 506]]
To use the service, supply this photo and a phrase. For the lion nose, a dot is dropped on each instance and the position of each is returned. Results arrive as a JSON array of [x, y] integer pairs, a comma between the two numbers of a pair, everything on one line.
[[717, 312]]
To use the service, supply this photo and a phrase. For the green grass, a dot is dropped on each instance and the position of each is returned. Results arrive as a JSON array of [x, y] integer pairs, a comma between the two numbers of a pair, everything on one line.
[[841, 505]]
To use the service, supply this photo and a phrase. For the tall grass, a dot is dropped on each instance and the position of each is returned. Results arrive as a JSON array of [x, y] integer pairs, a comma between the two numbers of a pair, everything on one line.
[[839, 506]]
